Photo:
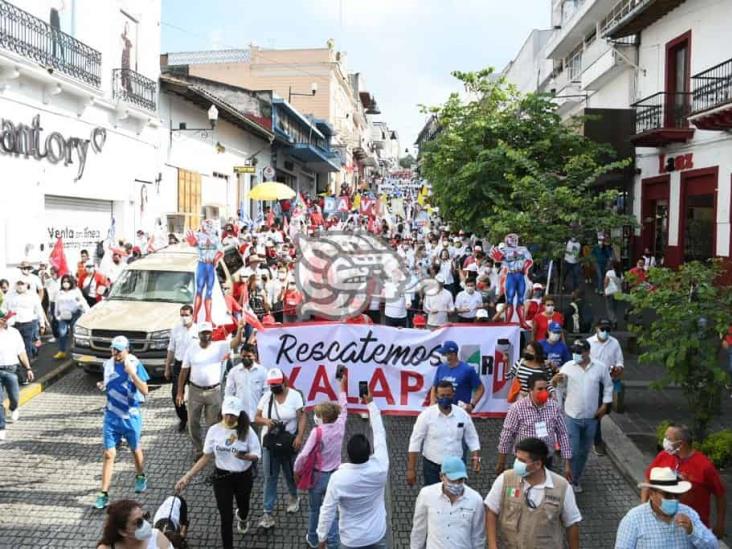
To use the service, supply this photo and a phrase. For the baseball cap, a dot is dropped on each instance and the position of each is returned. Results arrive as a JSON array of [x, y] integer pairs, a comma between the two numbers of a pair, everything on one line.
[[205, 327], [555, 327], [537, 286], [25, 264], [275, 376], [231, 405], [481, 313], [439, 278], [449, 347], [453, 468], [120, 343], [580, 345], [604, 323]]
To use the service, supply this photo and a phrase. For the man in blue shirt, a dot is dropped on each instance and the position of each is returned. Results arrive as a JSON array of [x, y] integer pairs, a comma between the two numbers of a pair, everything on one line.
[[125, 382], [466, 381], [555, 349]]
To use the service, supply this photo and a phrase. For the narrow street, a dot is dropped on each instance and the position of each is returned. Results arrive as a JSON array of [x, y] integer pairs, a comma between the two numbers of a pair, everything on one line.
[[50, 468]]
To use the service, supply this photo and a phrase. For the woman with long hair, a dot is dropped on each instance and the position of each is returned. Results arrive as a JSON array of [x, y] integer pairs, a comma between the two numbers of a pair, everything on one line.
[[234, 447], [69, 305], [532, 361], [127, 526]]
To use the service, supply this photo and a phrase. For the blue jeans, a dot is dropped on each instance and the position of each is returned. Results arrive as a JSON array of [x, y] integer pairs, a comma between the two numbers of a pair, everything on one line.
[[64, 327], [600, 270], [317, 494], [271, 466], [581, 436], [9, 383], [381, 544]]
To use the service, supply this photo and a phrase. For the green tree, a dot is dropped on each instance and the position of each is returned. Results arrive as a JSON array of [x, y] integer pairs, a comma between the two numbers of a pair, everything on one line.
[[406, 162], [506, 162], [689, 310]]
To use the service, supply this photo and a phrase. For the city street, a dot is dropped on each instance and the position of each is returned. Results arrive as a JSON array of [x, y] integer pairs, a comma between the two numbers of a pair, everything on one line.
[[50, 468]]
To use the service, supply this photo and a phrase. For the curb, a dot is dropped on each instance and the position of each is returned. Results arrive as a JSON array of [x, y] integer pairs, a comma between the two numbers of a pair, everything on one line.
[[34, 389], [626, 456]]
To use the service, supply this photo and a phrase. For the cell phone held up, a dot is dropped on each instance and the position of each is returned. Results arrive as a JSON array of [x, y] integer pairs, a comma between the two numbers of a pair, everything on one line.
[[340, 372], [363, 388]]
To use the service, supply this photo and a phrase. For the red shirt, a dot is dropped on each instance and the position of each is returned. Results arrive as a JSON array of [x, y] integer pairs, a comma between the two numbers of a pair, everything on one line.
[[541, 324], [639, 274], [702, 474]]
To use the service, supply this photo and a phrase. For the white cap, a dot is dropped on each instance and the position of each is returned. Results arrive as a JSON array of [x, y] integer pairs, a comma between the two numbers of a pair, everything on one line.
[[205, 327], [439, 278], [231, 405], [275, 376], [481, 313], [473, 268]]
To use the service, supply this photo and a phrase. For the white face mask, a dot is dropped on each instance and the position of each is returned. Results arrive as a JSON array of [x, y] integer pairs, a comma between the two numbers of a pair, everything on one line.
[[144, 532], [553, 337], [549, 309], [317, 420], [602, 335], [670, 447], [454, 488], [470, 290]]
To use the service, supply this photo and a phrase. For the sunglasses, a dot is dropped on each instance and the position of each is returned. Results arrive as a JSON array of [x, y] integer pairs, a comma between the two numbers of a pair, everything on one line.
[[137, 523], [26, 269]]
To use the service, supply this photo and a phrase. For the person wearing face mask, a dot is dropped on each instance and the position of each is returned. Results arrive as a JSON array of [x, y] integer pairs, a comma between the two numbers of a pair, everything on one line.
[[441, 430], [326, 439], [533, 304], [555, 349], [234, 448], [544, 317], [282, 409], [258, 302], [469, 389], [182, 335], [12, 357], [468, 302], [93, 284], [584, 382], [606, 350], [663, 522], [69, 305], [434, 525], [532, 362], [536, 416], [529, 506], [602, 254], [202, 369], [693, 466], [127, 526], [28, 312], [247, 381]]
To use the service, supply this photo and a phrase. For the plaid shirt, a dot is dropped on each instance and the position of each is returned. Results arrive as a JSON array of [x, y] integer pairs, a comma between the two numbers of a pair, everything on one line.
[[640, 529], [521, 420]]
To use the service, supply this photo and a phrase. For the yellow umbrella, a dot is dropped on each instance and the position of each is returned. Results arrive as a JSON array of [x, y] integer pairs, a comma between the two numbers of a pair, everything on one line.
[[271, 190]]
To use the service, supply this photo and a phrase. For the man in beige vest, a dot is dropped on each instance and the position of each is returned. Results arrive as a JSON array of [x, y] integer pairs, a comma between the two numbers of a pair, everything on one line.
[[530, 507]]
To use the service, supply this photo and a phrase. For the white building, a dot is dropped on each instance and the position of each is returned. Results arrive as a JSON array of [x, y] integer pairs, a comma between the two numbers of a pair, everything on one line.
[[78, 102]]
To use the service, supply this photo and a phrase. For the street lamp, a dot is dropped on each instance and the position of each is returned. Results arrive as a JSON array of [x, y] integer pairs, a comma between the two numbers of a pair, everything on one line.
[[313, 91], [213, 116]]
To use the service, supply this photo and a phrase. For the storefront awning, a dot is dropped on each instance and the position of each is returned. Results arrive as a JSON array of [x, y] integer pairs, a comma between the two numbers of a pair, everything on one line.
[[314, 158]]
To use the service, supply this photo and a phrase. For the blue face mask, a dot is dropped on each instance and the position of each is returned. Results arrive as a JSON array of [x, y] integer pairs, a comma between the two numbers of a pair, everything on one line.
[[577, 357], [444, 402], [669, 506], [520, 468]]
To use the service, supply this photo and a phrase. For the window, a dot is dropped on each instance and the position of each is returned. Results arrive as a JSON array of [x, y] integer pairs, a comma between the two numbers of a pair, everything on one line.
[[574, 64], [189, 197], [163, 286], [678, 79]]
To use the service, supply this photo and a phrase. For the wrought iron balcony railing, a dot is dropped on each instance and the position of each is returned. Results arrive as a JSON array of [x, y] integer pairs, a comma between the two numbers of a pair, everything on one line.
[[31, 37], [663, 110], [712, 88], [134, 88]]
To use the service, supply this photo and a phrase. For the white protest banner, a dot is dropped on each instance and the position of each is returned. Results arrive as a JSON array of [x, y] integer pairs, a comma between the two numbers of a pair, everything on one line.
[[399, 364]]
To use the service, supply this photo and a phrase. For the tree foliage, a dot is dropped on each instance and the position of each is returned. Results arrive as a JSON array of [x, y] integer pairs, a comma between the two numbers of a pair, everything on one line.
[[692, 310], [505, 162], [406, 162]]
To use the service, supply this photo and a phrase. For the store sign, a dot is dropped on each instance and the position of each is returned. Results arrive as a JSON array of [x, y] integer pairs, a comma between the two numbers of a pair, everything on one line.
[[675, 164], [268, 172], [245, 169], [26, 140]]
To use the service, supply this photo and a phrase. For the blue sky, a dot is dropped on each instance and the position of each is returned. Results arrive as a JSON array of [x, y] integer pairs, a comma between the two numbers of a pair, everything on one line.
[[405, 49]]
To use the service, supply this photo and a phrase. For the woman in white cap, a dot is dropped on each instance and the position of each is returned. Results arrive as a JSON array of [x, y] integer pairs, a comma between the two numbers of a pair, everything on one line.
[[234, 447], [281, 413]]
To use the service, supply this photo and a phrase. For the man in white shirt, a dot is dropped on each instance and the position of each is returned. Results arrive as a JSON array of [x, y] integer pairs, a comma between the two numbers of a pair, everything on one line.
[[202, 370], [32, 281], [449, 514], [356, 490], [396, 306], [28, 314], [12, 358], [582, 379], [438, 304], [468, 302], [606, 350], [571, 263], [531, 506], [181, 336], [247, 381], [441, 430]]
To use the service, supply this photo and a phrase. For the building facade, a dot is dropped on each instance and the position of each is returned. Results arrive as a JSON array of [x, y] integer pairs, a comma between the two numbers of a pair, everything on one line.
[[80, 139]]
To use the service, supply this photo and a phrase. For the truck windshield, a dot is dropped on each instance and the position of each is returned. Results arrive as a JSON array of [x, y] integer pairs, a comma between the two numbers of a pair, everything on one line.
[[167, 286]]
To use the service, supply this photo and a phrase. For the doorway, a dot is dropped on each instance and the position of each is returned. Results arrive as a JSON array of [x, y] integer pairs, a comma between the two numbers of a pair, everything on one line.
[[697, 219], [655, 216]]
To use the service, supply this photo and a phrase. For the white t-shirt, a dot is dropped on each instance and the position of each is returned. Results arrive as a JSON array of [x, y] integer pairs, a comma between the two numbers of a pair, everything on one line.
[[464, 299], [438, 306], [11, 345], [205, 364], [171, 509], [224, 444], [286, 412], [572, 252]]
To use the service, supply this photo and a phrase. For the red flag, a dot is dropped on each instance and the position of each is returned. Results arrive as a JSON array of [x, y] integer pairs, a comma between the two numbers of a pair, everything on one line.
[[57, 259], [251, 319]]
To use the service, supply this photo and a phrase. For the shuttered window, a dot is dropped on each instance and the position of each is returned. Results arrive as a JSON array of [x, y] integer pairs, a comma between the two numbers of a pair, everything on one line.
[[189, 197]]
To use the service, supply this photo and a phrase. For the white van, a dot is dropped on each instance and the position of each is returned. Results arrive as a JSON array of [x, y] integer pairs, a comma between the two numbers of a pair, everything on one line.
[[143, 305]]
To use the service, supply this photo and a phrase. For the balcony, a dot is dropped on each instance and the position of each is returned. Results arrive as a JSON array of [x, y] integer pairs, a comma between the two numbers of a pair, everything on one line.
[[630, 17], [576, 27], [712, 98], [133, 88], [35, 40], [662, 119]]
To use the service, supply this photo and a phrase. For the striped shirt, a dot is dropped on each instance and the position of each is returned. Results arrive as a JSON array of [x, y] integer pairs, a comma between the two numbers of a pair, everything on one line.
[[523, 372], [521, 422], [641, 529]]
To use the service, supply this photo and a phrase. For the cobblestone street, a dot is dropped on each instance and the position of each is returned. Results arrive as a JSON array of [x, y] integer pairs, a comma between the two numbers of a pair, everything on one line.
[[51, 463]]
